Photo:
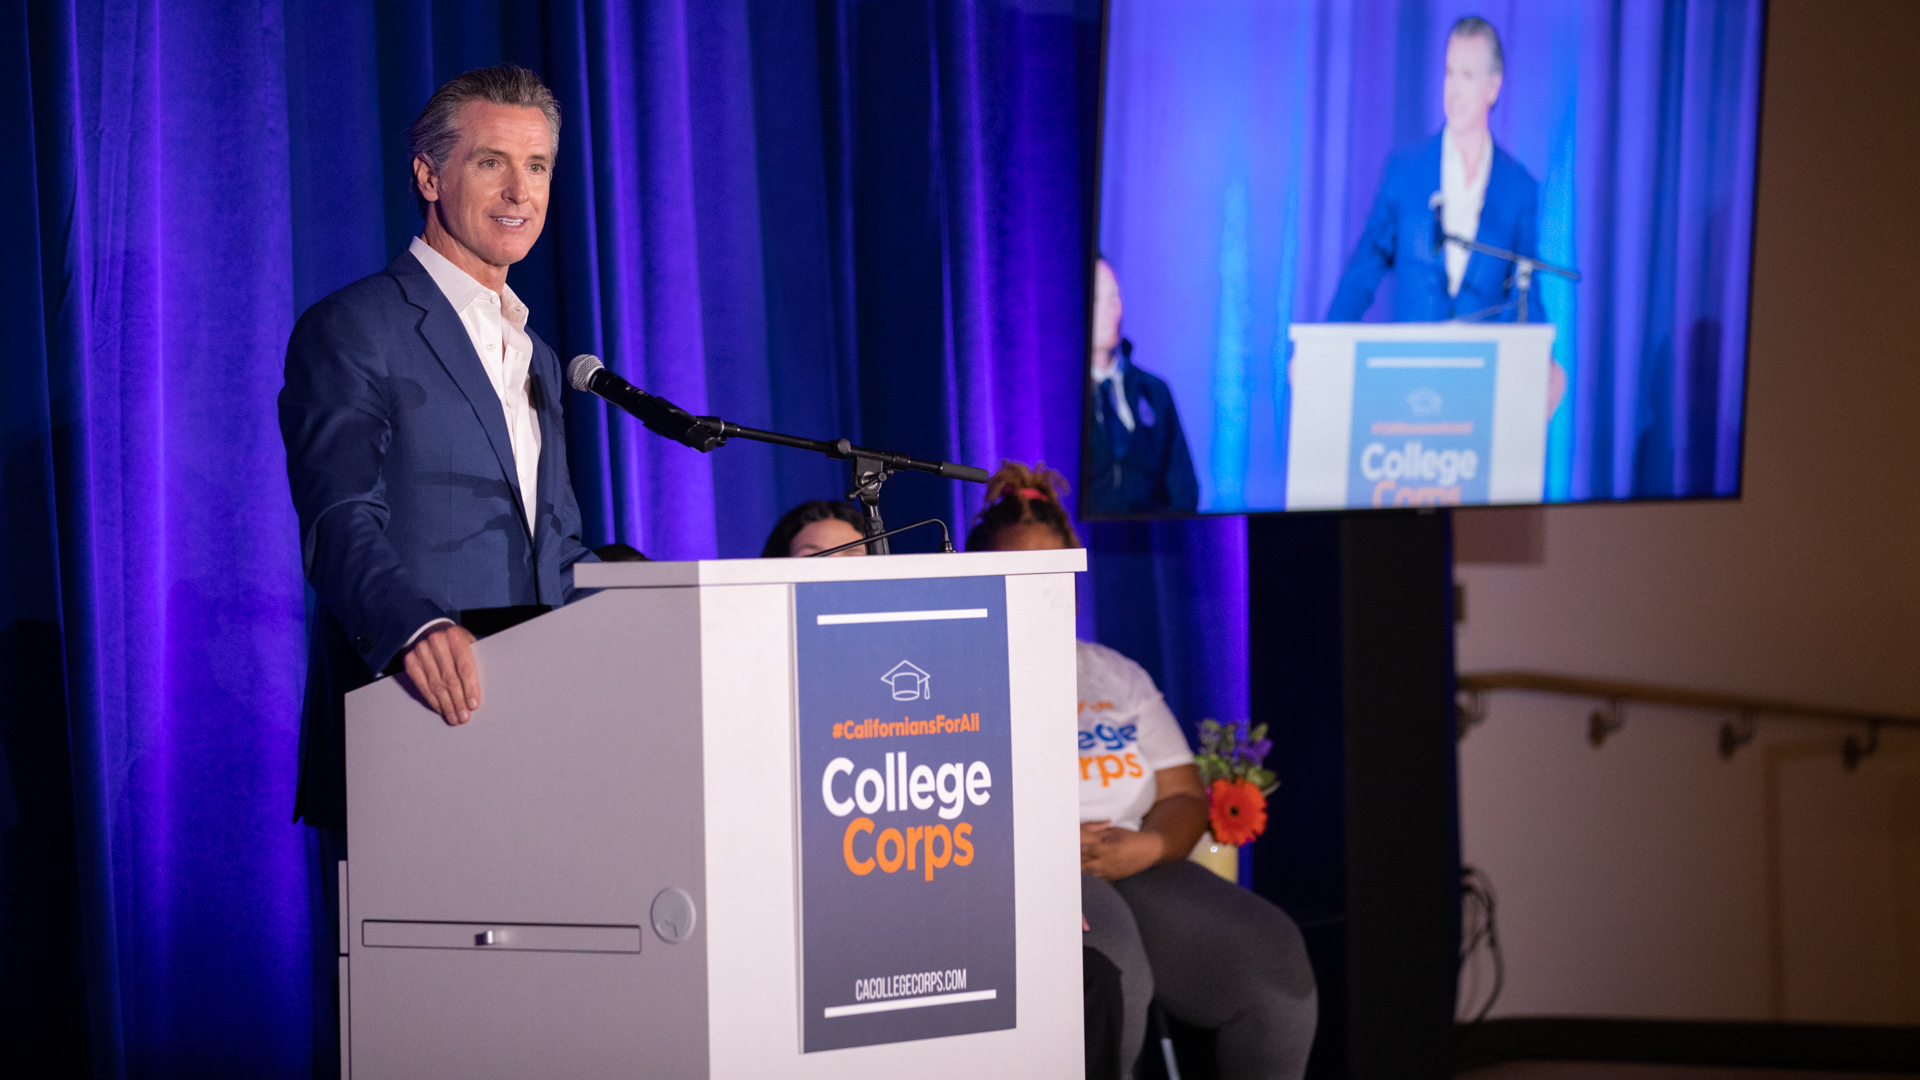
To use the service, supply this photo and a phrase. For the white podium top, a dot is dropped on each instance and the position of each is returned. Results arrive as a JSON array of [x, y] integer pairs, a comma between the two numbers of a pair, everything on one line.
[[658, 575], [1420, 331]]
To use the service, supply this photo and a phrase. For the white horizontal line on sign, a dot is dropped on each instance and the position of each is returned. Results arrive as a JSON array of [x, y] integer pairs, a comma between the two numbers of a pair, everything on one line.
[[909, 1003], [1427, 361], [901, 616]]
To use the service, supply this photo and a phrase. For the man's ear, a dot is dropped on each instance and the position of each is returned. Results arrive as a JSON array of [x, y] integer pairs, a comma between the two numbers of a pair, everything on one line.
[[426, 179]]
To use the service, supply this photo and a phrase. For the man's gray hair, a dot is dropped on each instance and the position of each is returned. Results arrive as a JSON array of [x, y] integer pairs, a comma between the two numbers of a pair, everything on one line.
[[1475, 26], [436, 131]]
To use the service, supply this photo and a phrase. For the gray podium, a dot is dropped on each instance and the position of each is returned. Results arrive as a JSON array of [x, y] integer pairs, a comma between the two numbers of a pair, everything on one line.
[[737, 818]]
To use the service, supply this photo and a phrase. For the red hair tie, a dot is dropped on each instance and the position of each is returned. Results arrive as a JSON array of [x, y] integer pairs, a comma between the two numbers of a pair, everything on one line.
[[1034, 493]]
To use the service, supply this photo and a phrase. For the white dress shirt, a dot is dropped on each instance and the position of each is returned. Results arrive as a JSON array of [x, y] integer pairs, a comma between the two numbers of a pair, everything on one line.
[[1464, 196], [1111, 374], [496, 323]]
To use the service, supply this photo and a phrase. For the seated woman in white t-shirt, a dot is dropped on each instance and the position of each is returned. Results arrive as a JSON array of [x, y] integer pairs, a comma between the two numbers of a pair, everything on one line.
[[1213, 954]]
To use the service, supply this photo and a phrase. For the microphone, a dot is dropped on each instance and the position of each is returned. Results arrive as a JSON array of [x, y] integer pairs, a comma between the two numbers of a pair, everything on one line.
[[1437, 202], [662, 417]]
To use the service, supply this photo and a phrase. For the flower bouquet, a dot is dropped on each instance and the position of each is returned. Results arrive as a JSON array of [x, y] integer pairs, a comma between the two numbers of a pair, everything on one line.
[[1231, 768]]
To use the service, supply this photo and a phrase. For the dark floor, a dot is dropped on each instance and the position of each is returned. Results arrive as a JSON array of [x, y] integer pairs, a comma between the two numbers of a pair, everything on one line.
[[1579, 1070]]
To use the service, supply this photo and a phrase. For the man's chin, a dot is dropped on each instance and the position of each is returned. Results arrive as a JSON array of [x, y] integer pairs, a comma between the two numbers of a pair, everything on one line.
[[506, 254]]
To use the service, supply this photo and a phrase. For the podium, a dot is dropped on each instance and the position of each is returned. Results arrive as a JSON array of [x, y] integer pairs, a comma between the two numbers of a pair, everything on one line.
[[734, 818], [1417, 414]]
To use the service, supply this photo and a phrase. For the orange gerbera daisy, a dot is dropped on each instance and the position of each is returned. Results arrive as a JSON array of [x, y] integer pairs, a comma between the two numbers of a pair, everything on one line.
[[1238, 811]]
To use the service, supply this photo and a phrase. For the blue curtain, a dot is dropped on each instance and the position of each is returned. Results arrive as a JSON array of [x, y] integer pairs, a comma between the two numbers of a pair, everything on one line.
[[1245, 141], [838, 218]]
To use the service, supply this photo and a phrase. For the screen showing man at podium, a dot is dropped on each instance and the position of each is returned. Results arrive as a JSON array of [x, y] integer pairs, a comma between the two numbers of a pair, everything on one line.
[[1387, 256]]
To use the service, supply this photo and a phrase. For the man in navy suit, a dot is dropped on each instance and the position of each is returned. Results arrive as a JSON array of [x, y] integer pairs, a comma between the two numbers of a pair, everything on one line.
[[1457, 179], [426, 444], [1137, 458]]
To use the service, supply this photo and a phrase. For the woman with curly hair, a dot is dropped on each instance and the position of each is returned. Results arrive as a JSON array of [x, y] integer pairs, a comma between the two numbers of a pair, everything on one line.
[[1213, 954]]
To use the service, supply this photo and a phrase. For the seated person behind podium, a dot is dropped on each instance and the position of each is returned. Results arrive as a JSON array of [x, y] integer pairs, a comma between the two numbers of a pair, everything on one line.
[[813, 527], [1213, 954], [1138, 461]]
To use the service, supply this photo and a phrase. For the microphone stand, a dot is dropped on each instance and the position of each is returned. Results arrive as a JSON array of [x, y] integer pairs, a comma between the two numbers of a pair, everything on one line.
[[1523, 265], [871, 468]]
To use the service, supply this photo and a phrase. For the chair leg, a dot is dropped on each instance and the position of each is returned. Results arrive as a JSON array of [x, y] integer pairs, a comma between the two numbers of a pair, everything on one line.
[[1157, 1020]]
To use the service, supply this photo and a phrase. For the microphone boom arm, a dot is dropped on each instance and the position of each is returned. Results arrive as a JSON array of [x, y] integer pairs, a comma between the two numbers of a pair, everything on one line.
[[1523, 265], [871, 468], [843, 450]]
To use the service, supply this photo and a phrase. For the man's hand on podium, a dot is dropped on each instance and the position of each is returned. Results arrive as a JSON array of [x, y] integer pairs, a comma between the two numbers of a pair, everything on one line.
[[444, 673]]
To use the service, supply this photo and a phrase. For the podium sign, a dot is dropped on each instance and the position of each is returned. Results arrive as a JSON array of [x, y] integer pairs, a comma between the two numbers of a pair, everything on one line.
[[1417, 414], [1422, 423], [906, 817]]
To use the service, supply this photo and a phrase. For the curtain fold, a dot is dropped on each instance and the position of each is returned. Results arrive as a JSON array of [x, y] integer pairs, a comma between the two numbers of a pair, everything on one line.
[[843, 218], [178, 609]]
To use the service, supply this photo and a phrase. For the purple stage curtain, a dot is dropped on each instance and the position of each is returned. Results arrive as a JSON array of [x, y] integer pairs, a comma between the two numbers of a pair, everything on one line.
[[835, 219], [167, 572]]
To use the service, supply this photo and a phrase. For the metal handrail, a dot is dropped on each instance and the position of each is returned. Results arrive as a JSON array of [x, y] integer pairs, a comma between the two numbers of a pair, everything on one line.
[[1616, 695]]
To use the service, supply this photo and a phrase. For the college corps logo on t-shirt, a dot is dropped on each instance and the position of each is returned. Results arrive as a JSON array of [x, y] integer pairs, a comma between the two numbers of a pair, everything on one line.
[[1108, 752], [1126, 736], [906, 815]]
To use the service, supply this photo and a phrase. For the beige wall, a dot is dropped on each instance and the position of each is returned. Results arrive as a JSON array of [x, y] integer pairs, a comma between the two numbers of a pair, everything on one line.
[[1644, 878]]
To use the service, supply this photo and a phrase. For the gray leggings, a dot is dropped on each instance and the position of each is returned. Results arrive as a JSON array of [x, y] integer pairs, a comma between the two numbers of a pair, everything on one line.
[[1215, 956]]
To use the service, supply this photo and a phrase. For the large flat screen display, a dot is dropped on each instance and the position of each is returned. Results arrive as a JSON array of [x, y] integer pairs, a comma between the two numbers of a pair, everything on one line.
[[1392, 253]]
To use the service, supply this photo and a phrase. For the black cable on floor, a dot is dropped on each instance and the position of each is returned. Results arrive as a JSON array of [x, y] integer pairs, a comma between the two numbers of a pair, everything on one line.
[[1481, 932]]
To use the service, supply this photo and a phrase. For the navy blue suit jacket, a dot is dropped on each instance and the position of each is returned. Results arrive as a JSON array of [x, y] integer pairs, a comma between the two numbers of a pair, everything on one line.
[[409, 502], [1155, 470], [1399, 238]]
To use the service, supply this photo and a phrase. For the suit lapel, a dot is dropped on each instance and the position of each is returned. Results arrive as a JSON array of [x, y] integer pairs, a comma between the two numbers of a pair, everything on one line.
[[1434, 265], [1138, 438], [448, 339], [1498, 199], [546, 413], [1493, 226]]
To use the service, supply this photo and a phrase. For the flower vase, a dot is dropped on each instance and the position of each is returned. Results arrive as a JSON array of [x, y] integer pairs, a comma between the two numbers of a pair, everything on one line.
[[1222, 859]]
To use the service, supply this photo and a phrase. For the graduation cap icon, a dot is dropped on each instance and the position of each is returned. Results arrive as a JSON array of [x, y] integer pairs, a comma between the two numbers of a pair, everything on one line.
[[909, 683]]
